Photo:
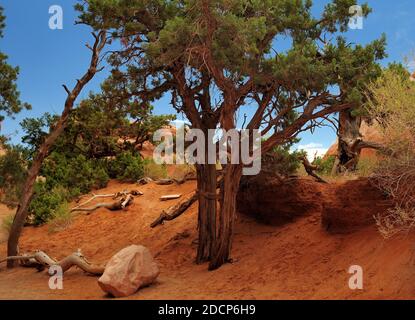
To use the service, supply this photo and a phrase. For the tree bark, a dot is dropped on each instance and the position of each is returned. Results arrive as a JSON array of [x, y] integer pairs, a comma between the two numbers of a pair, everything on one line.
[[206, 186], [229, 190], [22, 210], [349, 131]]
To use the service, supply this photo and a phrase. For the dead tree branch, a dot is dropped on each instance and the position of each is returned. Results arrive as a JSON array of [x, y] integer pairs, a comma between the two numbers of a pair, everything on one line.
[[94, 196], [41, 260], [176, 210], [113, 206], [310, 168]]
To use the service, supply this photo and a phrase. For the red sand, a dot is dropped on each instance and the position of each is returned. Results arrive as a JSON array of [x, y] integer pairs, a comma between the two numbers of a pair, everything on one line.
[[298, 260]]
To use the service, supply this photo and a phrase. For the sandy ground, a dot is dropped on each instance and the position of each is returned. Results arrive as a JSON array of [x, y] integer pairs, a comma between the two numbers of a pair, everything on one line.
[[299, 260]]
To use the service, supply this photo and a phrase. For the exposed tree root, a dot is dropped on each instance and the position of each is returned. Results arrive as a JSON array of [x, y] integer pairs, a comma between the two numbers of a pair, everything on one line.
[[310, 168], [41, 260]]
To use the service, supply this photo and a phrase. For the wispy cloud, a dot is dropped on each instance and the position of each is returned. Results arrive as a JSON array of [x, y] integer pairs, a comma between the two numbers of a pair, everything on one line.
[[313, 149]]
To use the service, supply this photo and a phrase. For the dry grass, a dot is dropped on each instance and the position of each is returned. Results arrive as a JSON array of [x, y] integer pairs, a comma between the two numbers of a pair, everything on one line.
[[7, 222], [62, 219], [367, 166], [395, 221], [155, 171], [391, 102], [181, 171]]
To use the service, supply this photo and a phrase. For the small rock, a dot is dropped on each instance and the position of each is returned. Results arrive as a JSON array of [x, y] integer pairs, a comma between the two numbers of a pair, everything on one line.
[[129, 270]]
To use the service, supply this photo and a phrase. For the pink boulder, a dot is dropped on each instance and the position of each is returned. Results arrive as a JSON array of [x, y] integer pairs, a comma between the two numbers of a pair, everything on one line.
[[129, 270]]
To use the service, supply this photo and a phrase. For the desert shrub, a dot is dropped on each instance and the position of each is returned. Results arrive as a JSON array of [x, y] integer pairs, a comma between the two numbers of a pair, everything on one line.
[[61, 218], [281, 160], [391, 103], [153, 170], [367, 166], [325, 165], [6, 223], [12, 175], [126, 167], [395, 220], [181, 171], [45, 202], [77, 174]]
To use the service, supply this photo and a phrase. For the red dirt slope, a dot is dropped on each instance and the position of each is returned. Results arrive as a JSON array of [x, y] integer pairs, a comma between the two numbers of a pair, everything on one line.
[[298, 260]]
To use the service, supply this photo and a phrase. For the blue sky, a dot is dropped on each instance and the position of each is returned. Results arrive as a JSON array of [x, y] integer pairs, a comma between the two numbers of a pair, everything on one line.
[[49, 58]]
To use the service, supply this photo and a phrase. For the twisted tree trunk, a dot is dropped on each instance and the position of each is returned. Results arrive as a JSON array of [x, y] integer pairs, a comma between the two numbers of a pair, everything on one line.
[[42, 153], [206, 186], [226, 216], [349, 132]]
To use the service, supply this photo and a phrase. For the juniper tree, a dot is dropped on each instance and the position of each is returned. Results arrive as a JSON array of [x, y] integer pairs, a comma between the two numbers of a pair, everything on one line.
[[215, 57]]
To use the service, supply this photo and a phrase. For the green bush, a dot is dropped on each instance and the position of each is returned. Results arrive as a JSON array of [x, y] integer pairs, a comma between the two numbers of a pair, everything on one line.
[[126, 167], [45, 203], [61, 218], [12, 175], [154, 171], [77, 174], [325, 165], [367, 166], [280, 160], [7, 222]]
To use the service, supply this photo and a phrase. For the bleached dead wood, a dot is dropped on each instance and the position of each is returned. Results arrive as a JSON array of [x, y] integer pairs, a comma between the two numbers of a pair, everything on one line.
[[170, 197], [94, 196], [125, 200], [41, 260], [176, 210]]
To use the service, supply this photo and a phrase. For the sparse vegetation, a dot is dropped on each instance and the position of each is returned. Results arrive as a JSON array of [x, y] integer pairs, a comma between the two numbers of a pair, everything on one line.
[[61, 218], [391, 103], [154, 171], [13, 166], [46, 202], [181, 171], [7, 222], [324, 164], [367, 166], [126, 167]]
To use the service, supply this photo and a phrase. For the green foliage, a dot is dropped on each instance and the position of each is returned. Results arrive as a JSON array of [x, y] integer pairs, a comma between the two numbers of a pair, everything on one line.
[[6, 223], [367, 166], [100, 127], [325, 165], [45, 202], [9, 95], [35, 130], [126, 167], [239, 35], [61, 218], [13, 171], [154, 171], [281, 160], [391, 102], [78, 174]]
